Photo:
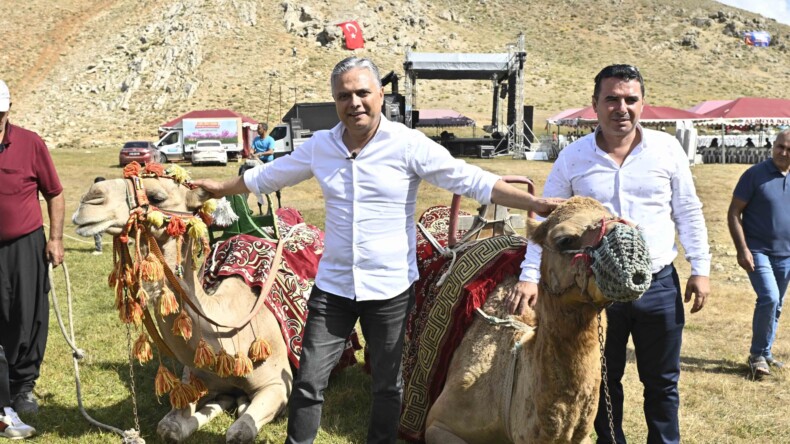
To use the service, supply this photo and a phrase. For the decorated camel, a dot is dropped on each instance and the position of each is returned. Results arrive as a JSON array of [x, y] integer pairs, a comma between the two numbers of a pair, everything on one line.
[[232, 345], [524, 379]]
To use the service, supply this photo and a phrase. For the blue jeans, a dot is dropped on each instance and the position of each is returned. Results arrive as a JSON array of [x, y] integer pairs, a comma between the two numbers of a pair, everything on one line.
[[769, 280], [329, 322], [655, 321]]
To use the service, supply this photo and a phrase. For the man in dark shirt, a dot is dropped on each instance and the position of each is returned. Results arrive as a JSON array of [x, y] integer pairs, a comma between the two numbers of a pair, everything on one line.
[[760, 228], [26, 169]]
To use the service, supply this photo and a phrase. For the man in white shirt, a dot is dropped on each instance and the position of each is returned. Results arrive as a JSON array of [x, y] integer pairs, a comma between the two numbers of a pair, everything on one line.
[[369, 170], [642, 176]]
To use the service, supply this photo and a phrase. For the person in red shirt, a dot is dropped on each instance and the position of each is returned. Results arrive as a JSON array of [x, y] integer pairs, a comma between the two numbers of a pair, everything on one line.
[[26, 169]]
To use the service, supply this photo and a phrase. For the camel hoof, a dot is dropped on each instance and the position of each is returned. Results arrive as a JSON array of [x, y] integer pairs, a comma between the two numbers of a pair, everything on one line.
[[170, 431], [243, 431]]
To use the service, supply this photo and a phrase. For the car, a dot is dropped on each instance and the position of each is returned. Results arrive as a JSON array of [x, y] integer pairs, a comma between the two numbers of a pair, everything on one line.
[[209, 151], [139, 151]]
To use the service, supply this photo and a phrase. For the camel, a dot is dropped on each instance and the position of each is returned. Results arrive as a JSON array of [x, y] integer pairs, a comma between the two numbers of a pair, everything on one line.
[[537, 380], [261, 395]]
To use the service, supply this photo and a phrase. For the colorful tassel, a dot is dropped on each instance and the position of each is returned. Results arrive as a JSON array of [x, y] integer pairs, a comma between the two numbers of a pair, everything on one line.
[[197, 229], [224, 215], [260, 350], [198, 384], [204, 355], [225, 363], [181, 395], [155, 168], [182, 325], [156, 218], [164, 381], [178, 174], [176, 227], [120, 296], [167, 302], [209, 206], [151, 269], [242, 365], [131, 169], [142, 297], [142, 349], [136, 311]]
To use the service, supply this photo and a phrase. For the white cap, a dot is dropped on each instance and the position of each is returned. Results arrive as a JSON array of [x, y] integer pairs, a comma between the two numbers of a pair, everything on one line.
[[5, 97]]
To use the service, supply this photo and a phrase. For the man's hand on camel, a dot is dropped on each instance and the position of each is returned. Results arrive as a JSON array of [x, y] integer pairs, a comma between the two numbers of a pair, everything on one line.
[[520, 296]]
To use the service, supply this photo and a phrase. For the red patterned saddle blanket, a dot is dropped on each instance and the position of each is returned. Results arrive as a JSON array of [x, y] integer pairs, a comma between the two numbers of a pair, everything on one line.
[[250, 258], [443, 313]]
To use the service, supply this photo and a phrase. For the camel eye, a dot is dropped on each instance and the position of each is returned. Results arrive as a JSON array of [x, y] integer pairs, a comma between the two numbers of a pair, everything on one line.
[[156, 197], [563, 243]]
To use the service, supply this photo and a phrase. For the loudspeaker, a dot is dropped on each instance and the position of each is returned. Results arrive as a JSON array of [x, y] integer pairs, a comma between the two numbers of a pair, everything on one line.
[[528, 122]]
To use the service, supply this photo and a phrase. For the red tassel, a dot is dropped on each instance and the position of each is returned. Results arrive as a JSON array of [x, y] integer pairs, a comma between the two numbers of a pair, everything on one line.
[[176, 227], [225, 363], [167, 302], [198, 384], [204, 355], [164, 381], [260, 350], [142, 349], [182, 326], [131, 169], [181, 395], [150, 269], [242, 366]]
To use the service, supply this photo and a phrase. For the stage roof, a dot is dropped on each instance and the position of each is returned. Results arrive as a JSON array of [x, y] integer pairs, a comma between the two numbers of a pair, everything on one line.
[[451, 66]]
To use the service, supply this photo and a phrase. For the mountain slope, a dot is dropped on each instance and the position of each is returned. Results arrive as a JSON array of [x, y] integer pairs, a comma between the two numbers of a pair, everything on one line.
[[110, 70]]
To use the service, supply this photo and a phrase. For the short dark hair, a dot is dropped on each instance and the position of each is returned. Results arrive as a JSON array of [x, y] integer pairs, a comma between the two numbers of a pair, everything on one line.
[[265, 126], [622, 72], [99, 179]]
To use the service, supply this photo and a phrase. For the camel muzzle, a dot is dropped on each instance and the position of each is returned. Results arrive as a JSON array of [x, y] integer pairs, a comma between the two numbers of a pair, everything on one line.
[[621, 264]]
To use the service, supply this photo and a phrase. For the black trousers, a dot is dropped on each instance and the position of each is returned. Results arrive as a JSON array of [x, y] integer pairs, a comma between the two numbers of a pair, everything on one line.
[[655, 322], [329, 322], [24, 313]]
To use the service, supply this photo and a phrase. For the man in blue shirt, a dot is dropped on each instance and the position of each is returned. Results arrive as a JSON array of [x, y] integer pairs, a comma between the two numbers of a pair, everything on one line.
[[263, 145], [263, 151], [760, 228]]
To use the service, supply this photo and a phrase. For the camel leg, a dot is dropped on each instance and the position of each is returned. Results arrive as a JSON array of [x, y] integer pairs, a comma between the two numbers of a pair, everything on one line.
[[435, 434], [262, 409], [179, 424]]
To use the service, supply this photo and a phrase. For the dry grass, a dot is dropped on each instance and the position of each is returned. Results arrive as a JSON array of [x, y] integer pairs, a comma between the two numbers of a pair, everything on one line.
[[719, 404]]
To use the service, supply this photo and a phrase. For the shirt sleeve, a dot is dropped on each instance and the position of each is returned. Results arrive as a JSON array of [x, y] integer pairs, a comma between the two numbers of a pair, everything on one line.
[[46, 175], [433, 163], [745, 187], [688, 217], [282, 172], [557, 185]]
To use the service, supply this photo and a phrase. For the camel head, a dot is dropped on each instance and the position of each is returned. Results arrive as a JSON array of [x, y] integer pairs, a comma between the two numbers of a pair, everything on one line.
[[108, 204], [590, 256]]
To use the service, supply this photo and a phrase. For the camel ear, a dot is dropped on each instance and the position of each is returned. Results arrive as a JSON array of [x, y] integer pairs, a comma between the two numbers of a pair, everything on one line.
[[196, 197], [536, 231]]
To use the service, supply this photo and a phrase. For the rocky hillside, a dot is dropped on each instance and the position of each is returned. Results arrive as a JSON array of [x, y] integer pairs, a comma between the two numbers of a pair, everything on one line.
[[102, 71]]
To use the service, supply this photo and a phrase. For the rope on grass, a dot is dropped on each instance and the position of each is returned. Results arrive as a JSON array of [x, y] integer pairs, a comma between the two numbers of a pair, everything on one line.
[[130, 436]]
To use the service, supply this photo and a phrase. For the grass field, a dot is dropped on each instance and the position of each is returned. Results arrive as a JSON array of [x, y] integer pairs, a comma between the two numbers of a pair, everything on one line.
[[719, 404]]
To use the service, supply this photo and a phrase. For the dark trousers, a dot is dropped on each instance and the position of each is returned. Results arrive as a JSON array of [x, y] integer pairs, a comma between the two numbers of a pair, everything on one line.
[[655, 321], [329, 322], [24, 311]]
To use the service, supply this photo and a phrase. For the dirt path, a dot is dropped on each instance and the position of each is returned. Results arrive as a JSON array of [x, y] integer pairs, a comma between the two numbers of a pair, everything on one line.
[[58, 39]]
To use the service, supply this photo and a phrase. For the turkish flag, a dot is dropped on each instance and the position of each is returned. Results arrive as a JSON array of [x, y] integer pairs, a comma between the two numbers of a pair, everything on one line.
[[353, 34]]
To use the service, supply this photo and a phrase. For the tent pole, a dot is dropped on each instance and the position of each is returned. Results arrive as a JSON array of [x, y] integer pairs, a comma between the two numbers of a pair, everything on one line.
[[723, 146]]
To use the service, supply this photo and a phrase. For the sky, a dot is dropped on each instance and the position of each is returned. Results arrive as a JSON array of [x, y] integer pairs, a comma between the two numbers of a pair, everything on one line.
[[776, 9]]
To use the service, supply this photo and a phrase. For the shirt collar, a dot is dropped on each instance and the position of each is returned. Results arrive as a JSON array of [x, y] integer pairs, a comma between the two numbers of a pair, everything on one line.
[[640, 145], [7, 134], [385, 126]]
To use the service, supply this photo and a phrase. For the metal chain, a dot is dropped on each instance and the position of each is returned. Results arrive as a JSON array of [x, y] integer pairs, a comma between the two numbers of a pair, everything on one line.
[[605, 379], [131, 377]]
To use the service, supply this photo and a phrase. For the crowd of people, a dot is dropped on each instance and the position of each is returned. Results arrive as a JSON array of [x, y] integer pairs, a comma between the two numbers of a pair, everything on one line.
[[365, 161]]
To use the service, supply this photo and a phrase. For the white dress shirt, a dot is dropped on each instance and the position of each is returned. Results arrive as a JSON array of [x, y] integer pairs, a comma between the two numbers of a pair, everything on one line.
[[370, 242], [652, 188]]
